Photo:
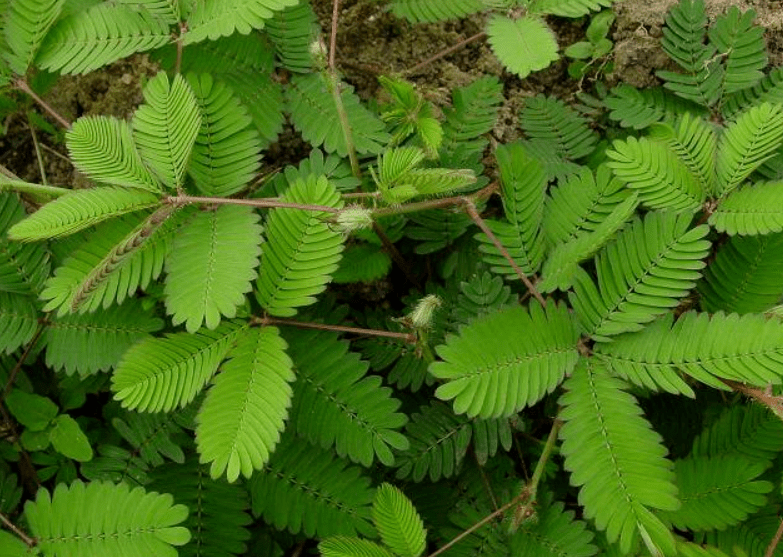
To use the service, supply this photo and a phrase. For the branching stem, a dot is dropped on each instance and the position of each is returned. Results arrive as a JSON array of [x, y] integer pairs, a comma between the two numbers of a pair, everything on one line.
[[261, 203], [530, 491]]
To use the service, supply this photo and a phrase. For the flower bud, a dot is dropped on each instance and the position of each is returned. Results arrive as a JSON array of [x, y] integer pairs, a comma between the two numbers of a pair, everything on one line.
[[353, 218], [421, 316]]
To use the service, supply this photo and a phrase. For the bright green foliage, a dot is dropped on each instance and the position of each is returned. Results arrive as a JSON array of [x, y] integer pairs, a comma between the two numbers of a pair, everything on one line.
[[523, 45], [26, 24], [523, 184], [747, 143], [568, 8], [305, 489], [98, 524], [422, 11], [243, 413], [103, 148], [717, 492], [397, 522], [742, 43], [743, 277], [90, 343], [506, 375], [153, 436], [409, 114], [654, 170], [211, 266], [580, 203], [753, 209], [559, 127], [213, 19], [99, 35], [620, 481], [79, 210], [562, 268], [293, 31], [342, 546], [68, 439], [553, 532], [354, 414], [161, 374], [225, 155], [166, 126], [643, 273], [313, 112], [743, 348], [301, 250], [112, 262]]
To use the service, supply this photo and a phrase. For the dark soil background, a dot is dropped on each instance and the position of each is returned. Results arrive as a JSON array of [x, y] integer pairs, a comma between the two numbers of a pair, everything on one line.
[[372, 42]]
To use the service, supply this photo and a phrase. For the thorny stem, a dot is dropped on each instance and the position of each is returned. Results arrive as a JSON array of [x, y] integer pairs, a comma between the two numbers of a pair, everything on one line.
[[30, 542], [470, 207], [22, 85], [406, 337], [262, 203], [333, 36], [445, 52]]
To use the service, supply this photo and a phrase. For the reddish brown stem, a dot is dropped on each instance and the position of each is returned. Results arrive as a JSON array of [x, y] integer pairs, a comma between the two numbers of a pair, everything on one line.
[[30, 542], [775, 541], [22, 85], [406, 337], [262, 203]]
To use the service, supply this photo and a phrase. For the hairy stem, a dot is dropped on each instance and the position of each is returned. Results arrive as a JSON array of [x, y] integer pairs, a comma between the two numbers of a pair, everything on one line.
[[30, 542], [267, 321], [530, 491], [23, 86], [38, 154], [183, 199], [773, 544]]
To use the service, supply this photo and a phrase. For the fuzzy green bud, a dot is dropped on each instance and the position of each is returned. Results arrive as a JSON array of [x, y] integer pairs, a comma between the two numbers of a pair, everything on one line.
[[353, 218], [421, 316]]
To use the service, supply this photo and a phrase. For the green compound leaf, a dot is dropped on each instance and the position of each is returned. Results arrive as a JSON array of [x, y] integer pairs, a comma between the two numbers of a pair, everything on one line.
[[750, 210], [225, 157], [745, 348], [212, 19], [398, 523], [746, 143], [103, 148], [161, 374], [496, 367], [643, 273], [428, 11], [343, 546], [211, 266], [301, 252], [26, 24], [314, 113], [615, 457], [18, 321], [523, 45], [567, 8], [166, 126], [243, 414], [555, 532], [89, 39], [79, 210], [92, 520], [742, 43], [718, 492], [23, 267]]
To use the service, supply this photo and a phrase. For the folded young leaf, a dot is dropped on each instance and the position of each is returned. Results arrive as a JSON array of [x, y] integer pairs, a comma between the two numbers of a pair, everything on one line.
[[507, 360]]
